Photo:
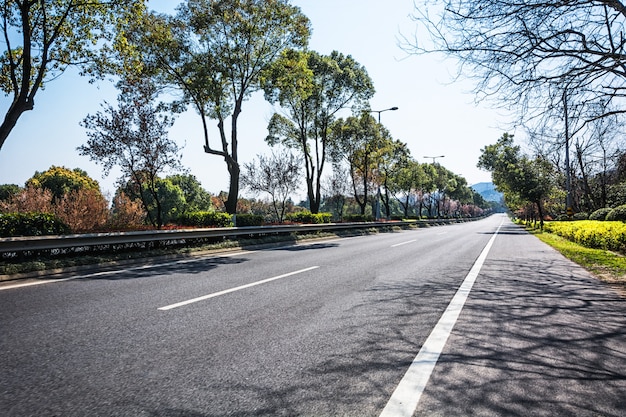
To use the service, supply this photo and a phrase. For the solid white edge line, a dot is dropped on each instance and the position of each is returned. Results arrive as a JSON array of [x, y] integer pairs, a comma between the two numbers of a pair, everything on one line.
[[217, 294], [404, 400], [403, 243]]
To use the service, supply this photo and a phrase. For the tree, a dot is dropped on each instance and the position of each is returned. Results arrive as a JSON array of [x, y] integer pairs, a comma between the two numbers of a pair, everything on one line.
[[196, 197], [134, 137], [41, 39], [276, 175], [358, 142], [407, 183], [162, 199], [394, 156], [516, 175], [61, 181], [214, 52], [312, 88], [526, 53]]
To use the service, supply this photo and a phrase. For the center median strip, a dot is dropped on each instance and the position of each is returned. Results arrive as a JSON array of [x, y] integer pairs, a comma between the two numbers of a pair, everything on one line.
[[228, 291]]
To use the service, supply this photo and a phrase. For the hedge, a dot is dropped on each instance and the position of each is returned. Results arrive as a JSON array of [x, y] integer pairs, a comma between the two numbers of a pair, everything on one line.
[[359, 218], [617, 214], [244, 220], [609, 235], [31, 224], [309, 218], [205, 219], [600, 214]]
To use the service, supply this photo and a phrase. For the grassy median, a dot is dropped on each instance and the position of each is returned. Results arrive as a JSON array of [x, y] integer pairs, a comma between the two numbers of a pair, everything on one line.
[[607, 265]]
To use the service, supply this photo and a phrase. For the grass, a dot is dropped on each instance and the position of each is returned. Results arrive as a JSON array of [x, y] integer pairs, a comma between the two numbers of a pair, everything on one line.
[[607, 265]]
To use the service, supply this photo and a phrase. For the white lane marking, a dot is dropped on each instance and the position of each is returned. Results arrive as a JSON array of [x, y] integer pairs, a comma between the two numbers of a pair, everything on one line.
[[403, 243], [241, 287], [404, 399], [119, 271]]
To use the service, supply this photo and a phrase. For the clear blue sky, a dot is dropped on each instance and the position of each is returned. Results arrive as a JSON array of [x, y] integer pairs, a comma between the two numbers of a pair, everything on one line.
[[435, 117]]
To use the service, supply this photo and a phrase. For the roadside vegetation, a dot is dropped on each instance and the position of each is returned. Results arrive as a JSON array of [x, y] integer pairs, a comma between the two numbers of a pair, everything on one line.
[[591, 244]]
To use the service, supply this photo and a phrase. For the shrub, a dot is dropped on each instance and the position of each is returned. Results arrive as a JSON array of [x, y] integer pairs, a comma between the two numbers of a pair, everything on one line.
[[309, 218], [84, 210], [581, 216], [244, 220], [609, 235], [600, 214], [617, 214], [31, 224], [359, 218], [205, 219]]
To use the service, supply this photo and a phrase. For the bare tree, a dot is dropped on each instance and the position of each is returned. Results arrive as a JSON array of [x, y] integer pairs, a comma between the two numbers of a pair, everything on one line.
[[516, 51], [276, 175]]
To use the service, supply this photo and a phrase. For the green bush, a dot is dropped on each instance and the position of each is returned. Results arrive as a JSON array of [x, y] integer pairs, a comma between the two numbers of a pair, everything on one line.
[[600, 214], [244, 220], [31, 224], [205, 219], [580, 216], [359, 218], [309, 218], [617, 214], [610, 235]]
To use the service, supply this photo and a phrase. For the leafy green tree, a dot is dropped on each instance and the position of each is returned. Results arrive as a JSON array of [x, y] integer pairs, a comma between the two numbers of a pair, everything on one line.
[[7, 191], [134, 137], [41, 39], [312, 88], [394, 156], [61, 181], [163, 199], [406, 183], [516, 175], [196, 197], [359, 141], [214, 52]]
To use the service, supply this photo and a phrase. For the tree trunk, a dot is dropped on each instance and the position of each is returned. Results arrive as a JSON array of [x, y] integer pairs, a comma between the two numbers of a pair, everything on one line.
[[233, 189]]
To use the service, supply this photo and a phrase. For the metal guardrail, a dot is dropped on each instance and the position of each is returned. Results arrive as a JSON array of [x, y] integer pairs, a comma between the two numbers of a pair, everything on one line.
[[42, 243]]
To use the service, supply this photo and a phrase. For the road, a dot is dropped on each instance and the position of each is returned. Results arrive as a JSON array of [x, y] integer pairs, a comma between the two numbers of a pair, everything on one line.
[[328, 328]]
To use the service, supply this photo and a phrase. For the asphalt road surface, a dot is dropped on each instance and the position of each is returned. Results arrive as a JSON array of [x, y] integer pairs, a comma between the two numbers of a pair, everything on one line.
[[472, 319]]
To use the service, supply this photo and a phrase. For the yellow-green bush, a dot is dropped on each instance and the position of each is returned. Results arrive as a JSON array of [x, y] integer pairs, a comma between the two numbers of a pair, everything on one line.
[[593, 234]]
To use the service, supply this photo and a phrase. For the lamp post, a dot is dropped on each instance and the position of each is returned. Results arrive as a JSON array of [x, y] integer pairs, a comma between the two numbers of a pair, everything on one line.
[[380, 111], [434, 157], [394, 108]]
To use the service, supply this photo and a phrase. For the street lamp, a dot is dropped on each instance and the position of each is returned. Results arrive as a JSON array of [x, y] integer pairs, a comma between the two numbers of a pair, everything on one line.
[[394, 108], [380, 111], [434, 157]]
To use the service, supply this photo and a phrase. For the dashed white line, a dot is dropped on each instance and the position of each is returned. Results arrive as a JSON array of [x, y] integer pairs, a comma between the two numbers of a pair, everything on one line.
[[405, 398], [403, 243], [241, 287]]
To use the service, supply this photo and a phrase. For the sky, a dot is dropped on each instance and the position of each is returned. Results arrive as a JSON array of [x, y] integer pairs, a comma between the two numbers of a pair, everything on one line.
[[435, 116]]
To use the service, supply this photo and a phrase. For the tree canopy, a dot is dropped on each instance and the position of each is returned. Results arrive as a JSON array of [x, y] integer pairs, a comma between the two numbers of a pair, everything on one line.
[[41, 39]]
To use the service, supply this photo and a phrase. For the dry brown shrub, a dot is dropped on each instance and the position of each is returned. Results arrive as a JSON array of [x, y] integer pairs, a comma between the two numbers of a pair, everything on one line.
[[126, 213], [83, 210], [30, 199]]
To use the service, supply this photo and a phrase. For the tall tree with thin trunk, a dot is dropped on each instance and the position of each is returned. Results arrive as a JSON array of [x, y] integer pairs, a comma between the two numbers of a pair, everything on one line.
[[214, 52], [311, 89]]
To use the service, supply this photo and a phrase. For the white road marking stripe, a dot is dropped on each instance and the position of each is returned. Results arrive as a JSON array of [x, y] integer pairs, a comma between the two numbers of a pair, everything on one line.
[[217, 294], [118, 271], [403, 243], [406, 396]]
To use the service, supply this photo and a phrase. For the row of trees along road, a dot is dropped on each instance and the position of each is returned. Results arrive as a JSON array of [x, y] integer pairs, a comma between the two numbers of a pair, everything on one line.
[[211, 56], [558, 66]]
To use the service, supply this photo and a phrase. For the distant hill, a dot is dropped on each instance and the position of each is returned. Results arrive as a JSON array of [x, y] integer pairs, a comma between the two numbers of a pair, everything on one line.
[[488, 191]]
